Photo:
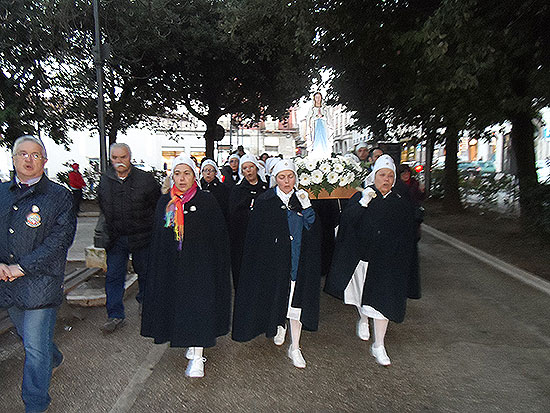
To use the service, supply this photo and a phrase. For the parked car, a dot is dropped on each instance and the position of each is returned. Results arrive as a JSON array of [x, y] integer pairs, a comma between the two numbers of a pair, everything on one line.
[[475, 168]]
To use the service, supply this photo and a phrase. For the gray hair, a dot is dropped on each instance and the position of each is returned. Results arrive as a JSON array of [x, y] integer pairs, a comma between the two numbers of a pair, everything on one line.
[[29, 138], [120, 145]]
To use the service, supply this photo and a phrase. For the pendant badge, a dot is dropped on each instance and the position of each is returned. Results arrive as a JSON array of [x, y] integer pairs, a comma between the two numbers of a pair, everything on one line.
[[33, 220]]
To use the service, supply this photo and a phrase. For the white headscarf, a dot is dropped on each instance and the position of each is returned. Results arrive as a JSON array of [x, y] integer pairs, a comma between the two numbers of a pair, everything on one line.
[[213, 164], [182, 158], [270, 163], [361, 145], [385, 161], [234, 156], [250, 158], [353, 157], [283, 165]]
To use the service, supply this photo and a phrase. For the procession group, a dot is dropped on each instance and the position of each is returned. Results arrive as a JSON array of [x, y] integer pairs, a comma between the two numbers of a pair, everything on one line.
[[247, 231]]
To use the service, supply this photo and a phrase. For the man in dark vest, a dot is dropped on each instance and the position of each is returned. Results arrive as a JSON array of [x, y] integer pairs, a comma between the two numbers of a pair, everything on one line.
[[36, 230], [127, 197]]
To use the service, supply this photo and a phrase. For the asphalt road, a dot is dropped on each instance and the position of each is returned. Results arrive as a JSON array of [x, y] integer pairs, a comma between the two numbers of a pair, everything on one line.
[[477, 341]]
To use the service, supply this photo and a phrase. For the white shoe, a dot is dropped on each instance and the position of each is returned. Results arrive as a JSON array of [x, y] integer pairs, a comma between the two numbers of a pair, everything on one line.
[[297, 358], [363, 329], [279, 338], [195, 368], [379, 353], [190, 353]]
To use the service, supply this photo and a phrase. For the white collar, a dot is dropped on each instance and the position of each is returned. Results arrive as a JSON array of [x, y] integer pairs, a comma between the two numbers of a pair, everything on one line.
[[284, 197], [29, 182]]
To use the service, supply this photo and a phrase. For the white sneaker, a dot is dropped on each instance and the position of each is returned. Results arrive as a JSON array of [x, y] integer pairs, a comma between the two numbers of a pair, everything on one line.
[[190, 353], [195, 368], [297, 358], [363, 329], [379, 353], [279, 338]]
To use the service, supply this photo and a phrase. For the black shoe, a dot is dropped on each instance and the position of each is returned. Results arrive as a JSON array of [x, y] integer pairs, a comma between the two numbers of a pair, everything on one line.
[[112, 324]]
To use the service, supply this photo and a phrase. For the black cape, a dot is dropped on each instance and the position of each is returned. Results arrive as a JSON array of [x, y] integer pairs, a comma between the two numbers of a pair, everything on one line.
[[230, 178], [188, 293], [383, 235], [220, 192], [241, 201], [261, 299]]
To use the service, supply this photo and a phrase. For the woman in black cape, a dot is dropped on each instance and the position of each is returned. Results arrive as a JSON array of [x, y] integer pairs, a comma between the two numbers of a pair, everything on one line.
[[230, 172], [372, 265], [281, 272], [188, 292], [211, 181], [241, 202]]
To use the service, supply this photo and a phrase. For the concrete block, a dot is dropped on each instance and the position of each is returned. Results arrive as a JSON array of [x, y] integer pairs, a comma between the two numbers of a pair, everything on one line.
[[96, 257]]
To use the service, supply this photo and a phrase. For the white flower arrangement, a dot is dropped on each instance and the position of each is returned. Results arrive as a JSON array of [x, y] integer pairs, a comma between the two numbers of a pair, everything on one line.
[[317, 176], [329, 174]]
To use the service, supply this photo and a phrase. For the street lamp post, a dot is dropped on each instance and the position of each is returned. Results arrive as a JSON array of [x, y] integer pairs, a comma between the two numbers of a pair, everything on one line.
[[100, 103]]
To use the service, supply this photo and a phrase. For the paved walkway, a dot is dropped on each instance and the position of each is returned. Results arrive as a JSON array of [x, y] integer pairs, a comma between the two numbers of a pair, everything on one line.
[[84, 238], [477, 341]]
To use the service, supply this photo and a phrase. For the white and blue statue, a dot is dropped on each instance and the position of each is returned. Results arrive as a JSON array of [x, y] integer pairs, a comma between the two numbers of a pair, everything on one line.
[[319, 129]]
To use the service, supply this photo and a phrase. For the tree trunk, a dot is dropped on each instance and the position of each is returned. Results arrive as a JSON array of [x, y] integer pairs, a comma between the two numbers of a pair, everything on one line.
[[523, 146], [430, 142], [210, 137], [450, 180], [112, 136]]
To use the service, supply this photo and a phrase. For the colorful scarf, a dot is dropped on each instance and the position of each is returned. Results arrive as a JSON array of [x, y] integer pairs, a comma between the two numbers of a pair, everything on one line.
[[174, 210]]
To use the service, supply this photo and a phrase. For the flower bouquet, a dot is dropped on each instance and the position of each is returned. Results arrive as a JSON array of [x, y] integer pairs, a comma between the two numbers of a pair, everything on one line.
[[326, 178]]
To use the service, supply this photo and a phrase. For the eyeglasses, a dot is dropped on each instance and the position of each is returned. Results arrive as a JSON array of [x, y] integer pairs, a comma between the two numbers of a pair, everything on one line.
[[208, 171], [25, 155]]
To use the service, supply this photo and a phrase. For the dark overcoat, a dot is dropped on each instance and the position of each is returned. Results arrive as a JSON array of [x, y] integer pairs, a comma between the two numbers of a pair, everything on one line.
[[241, 201], [261, 299], [220, 192], [188, 293], [128, 206], [383, 235], [230, 177], [37, 227]]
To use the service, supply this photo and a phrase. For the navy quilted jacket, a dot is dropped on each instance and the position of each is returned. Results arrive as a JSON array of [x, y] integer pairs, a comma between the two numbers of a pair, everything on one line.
[[37, 228]]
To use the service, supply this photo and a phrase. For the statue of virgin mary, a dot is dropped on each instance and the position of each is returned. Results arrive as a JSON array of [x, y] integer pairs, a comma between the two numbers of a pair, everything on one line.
[[319, 128]]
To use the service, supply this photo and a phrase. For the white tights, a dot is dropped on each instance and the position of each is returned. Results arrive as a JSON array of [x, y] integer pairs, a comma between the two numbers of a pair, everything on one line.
[[380, 327], [197, 352], [295, 333]]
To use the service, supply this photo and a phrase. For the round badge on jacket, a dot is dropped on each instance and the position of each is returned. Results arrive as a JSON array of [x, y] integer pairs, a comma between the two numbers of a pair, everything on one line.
[[33, 220]]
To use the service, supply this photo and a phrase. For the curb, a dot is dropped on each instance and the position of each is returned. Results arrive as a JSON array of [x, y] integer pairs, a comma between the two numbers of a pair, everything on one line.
[[508, 269]]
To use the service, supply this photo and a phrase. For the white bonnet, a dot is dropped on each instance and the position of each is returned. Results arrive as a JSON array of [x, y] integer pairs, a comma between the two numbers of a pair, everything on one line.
[[270, 163], [385, 161], [213, 164], [283, 165], [182, 158], [250, 158]]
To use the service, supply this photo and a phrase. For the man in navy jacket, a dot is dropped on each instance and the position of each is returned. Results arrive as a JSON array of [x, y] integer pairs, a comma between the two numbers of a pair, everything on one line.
[[36, 230]]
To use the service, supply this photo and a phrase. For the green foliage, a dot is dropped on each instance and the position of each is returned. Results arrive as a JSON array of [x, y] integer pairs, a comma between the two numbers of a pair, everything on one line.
[[92, 175], [246, 57], [31, 39], [482, 190]]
